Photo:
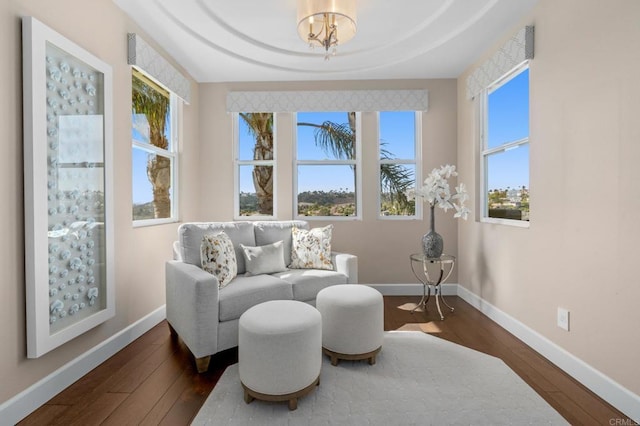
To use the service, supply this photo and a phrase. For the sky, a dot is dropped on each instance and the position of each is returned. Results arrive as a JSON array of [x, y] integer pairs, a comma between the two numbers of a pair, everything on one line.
[[508, 169], [509, 121], [142, 189]]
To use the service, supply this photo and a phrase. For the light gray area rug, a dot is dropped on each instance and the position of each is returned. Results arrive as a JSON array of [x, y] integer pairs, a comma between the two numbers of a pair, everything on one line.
[[418, 379]]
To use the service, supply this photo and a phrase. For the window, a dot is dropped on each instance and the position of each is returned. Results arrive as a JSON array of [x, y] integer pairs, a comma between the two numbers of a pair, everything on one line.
[[399, 141], [154, 130], [327, 165], [255, 164], [505, 149]]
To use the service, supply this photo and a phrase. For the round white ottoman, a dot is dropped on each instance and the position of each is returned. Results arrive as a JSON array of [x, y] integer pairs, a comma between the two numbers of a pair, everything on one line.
[[352, 322], [279, 351]]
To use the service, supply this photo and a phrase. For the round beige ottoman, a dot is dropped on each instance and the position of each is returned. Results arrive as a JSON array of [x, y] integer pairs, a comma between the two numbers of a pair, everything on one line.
[[279, 351], [352, 322]]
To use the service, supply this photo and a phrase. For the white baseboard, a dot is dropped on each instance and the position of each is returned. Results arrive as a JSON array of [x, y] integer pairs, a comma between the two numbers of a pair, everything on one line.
[[21, 405], [27, 401], [600, 384]]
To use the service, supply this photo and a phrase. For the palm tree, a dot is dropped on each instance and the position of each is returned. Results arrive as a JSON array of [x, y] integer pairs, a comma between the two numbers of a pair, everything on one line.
[[155, 106], [260, 124], [337, 139], [395, 180], [334, 138], [340, 140]]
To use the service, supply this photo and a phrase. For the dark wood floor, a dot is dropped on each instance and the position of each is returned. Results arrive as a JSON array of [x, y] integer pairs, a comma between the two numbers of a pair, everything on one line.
[[154, 381]]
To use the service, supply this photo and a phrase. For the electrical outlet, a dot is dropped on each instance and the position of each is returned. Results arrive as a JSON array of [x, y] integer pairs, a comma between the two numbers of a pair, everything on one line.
[[563, 318]]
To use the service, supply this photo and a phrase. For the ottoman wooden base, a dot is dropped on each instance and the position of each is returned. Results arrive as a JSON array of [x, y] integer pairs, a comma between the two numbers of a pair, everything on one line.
[[335, 356], [250, 395]]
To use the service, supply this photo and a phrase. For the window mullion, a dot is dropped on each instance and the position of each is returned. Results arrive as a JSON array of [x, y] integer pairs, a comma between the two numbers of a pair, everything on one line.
[[326, 162], [152, 149], [506, 146], [397, 161], [256, 162]]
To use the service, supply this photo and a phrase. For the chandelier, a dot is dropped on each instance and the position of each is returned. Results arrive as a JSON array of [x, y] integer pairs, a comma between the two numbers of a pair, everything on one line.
[[326, 23]]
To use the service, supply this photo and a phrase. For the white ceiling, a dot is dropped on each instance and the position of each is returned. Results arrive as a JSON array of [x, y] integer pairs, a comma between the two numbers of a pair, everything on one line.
[[257, 40]]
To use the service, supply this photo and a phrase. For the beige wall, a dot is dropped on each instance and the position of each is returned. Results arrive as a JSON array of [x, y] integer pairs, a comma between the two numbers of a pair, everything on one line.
[[206, 190], [578, 253], [382, 246], [101, 28], [581, 250]]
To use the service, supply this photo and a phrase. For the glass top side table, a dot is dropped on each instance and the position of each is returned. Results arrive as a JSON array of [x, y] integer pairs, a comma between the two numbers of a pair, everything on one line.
[[442, 267]]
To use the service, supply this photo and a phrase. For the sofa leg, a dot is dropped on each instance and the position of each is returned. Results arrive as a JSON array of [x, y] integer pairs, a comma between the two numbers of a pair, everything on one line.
[[173, 332], [202, 364]]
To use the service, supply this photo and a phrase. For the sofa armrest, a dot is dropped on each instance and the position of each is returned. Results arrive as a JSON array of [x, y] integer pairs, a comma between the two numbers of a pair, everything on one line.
[[192, 306], [346, 264]]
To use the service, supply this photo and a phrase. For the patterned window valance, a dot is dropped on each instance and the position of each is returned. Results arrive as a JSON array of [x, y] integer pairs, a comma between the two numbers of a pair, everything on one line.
[[328, 100], [145, 57], [515, 51]]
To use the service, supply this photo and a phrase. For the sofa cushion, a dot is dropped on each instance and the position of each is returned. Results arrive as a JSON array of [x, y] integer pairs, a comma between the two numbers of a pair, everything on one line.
[[307, 283], [272, 231], [311, 249], [190, 237], [218, 257], [265, 259], [247, 291]]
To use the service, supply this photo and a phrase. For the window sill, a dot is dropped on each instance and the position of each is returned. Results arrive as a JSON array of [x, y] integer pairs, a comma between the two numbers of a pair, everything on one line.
[[153, 222], [398, 217], [329, 218], [507, 222], [255, 217]]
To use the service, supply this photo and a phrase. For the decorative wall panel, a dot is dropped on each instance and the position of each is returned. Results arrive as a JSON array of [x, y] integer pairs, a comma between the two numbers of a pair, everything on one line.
[[328, 100], [68, 181]]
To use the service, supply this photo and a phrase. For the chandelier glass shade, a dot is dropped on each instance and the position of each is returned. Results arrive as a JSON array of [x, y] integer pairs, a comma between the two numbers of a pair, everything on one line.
[[326, 23]]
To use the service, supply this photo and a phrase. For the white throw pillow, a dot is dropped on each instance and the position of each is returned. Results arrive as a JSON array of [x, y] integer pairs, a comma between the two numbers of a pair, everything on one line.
[[218, 257], [311, 249], [267, 259]]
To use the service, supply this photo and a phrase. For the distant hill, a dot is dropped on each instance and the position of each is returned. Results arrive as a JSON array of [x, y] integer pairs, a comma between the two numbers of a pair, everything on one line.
[[310, 203], [323, 198], [143, 211], [248, 203]]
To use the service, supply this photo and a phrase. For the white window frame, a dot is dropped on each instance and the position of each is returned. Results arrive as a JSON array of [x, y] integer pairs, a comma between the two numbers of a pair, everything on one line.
[[416, 161], [237, 163], [175, 113], [357, 162], [486, 152]]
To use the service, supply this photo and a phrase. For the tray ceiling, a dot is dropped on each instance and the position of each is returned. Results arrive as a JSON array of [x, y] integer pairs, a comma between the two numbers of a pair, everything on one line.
[[257, 40]]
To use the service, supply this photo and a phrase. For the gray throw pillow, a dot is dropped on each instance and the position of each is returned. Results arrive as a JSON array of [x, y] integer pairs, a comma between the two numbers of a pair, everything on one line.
[[266, 259]]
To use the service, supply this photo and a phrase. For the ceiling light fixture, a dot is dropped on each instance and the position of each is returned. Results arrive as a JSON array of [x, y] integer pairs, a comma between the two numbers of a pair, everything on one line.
[[326, 22]]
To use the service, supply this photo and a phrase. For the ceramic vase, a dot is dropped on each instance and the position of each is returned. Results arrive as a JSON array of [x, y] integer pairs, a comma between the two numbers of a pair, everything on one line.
[[432, 243]]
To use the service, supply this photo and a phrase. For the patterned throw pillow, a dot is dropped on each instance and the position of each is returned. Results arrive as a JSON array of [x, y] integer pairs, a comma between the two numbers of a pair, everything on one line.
[[311, 249], [218, 257]]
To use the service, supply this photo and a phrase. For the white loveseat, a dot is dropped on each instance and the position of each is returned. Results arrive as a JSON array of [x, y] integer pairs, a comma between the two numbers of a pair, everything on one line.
[[206, 317]]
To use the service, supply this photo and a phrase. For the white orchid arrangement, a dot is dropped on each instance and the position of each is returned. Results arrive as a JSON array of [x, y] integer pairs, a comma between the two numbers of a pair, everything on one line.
[[437, 192]]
